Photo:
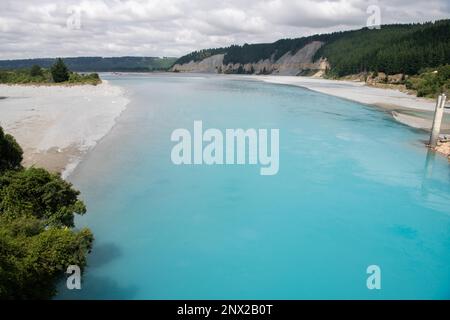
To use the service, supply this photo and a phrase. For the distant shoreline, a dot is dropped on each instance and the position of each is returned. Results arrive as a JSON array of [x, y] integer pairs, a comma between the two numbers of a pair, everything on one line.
[[49, 84]]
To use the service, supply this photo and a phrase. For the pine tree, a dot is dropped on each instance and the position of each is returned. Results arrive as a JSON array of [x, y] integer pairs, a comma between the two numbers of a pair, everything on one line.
[[59, 70]]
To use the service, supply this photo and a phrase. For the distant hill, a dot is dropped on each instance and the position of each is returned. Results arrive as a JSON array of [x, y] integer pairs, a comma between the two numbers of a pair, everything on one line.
[[399, 48], [96, 64]]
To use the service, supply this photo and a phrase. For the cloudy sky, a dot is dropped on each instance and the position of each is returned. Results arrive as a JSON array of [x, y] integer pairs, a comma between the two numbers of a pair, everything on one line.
[[45, 28]]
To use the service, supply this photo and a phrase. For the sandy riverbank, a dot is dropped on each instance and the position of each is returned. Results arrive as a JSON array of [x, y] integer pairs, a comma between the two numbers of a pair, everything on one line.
[[57, 125], [407, 109], [404, 108]]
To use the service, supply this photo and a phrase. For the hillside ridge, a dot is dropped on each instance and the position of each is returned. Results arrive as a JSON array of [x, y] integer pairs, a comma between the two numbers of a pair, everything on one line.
[[392, 49]]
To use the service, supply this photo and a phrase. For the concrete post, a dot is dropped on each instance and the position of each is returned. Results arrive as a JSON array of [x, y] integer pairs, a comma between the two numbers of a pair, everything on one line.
[[438, 114]]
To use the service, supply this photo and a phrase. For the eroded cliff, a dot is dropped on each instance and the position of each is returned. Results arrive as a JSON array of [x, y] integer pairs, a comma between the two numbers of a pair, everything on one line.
[[298, 63]]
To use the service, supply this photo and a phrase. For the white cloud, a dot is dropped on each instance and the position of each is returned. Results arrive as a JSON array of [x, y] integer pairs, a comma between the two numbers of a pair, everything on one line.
[[30, 28]]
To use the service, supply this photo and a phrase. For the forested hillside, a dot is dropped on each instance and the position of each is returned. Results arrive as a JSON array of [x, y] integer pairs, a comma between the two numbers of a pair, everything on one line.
[[391, 49], [98, 64], [401, 48], [254, 52]]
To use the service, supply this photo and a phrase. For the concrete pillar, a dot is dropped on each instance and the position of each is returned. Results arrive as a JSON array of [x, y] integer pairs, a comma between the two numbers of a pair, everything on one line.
[[438, 114]]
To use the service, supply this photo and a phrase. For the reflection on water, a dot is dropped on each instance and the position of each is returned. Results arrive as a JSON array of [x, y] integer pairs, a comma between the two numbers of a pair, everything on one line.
[[434, 188], [428, 168], [420, 119]]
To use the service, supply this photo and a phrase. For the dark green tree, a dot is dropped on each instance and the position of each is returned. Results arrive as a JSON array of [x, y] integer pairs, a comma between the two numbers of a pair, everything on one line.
[[10, 152], [60, 72]]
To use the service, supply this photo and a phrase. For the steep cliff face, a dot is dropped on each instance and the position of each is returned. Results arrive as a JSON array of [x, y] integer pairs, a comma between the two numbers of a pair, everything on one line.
[[288, 64], [291, 65], [208, 65]]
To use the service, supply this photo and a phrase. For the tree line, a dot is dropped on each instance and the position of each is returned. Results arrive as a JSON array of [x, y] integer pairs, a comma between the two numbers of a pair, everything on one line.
[[57, 73], [96, 64]]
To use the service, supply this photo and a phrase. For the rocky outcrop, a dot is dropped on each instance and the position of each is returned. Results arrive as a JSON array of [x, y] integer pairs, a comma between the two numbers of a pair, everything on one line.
[[372, 78], [443, 147], [288, 64]]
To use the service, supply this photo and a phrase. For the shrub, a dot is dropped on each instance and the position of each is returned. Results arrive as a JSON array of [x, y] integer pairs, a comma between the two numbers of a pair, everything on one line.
[[10, 152], [36, 71]]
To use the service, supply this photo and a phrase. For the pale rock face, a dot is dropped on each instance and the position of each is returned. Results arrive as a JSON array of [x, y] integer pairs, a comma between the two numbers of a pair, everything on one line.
[[291, 65], [288, 64], [208, 65]]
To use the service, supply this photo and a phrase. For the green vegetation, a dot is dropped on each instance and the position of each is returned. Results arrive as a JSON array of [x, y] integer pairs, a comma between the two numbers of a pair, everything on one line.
[[161, 64], [58, 73], [431, 82], [405, 48], [36, 71], [10, 153], [96, 64], [90, 78], [37, 209], [33, 257], [36, 192], [24, 76]]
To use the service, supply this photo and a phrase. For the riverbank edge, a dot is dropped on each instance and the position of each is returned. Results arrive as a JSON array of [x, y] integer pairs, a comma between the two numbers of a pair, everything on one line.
[[100, 106], [443, 147]]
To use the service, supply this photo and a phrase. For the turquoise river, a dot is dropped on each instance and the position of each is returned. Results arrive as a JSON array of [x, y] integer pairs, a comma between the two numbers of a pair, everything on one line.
[[354, 189]]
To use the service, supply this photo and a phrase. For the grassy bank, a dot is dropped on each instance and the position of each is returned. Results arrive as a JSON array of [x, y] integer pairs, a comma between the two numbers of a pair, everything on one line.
[[23, 76]]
